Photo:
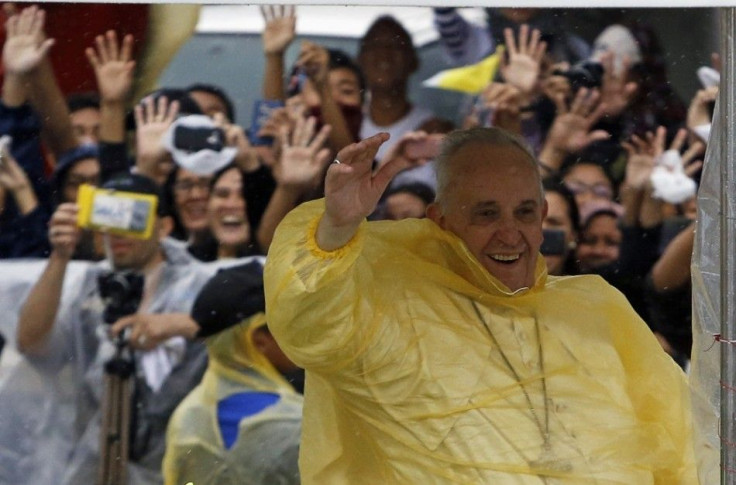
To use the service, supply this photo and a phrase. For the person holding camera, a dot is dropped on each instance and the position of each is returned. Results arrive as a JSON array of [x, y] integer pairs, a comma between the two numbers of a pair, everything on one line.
[[439, 350], [70, 338]]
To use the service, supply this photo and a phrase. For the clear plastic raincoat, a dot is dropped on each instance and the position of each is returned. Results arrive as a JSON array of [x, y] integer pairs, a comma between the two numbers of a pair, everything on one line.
[[423, 368], [267, 446]]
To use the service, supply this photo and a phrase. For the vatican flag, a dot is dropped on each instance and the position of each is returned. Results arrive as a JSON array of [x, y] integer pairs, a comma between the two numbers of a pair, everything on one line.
[[468, 79]]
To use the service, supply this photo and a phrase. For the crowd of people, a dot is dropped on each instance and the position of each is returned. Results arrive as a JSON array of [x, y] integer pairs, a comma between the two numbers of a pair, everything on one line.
[[615, 150]]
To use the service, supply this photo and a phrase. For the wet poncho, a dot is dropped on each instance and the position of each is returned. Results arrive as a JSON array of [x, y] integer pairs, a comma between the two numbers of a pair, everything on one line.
[[423, 368], [267, 445]]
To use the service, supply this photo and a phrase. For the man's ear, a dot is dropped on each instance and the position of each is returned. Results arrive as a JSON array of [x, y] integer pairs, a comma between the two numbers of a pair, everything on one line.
[[545, 209], [434, 212], [166, 225]]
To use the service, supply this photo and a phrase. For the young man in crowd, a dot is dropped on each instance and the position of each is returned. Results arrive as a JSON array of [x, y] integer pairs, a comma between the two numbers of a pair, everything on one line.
[[71, 340]]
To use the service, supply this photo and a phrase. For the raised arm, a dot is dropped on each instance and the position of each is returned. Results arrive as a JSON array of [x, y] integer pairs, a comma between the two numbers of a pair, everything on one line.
[[278, 34], [39, 311], [114, 66], [352, 190], [297, 171], [25, 56], [315, 60]]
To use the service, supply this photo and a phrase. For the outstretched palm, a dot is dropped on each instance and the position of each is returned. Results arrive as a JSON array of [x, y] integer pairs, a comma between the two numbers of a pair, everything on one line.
[[280, 28], [25, 46]]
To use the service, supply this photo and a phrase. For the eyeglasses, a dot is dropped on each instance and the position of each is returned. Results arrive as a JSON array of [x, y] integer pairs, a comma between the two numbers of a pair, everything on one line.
[[599, 190], [186, 186]]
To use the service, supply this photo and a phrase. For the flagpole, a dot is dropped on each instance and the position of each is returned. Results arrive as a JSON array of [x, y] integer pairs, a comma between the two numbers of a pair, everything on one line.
[[727, 122]]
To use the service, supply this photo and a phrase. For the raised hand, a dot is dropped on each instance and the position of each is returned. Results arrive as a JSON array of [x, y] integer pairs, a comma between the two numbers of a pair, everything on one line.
[[113, 65], [641, 157], [303, 157], [616, 92], [698, 112], [522, 65], [63, 230], [280, 28], [246, 157], [26, 44], [152, 120], [315, 60], [414, 149], [571, 129], [352, 191], [504, 101]]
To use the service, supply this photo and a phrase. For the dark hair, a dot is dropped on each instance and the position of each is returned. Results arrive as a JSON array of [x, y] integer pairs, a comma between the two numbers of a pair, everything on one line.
[[417, 189], [79, 101], [555, 184], [401, 35], [340, 59], [215, 91], [167, 195], [64, 163]]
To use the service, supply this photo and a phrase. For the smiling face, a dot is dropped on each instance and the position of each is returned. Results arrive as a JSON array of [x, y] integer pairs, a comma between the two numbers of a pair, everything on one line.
[[493, 202], [226, 212], [600, 243]]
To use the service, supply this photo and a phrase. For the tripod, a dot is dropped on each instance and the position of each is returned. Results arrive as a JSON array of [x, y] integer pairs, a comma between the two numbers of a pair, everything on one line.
[[115, 426]]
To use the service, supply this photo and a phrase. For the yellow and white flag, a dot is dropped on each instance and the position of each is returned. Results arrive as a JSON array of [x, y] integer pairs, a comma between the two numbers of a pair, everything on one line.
[[468, 79]]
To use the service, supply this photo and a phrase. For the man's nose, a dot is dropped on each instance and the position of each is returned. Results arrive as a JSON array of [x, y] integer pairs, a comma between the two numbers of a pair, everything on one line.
[[508, 231]]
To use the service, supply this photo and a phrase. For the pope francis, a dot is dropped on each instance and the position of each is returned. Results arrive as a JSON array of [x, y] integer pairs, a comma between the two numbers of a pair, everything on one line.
[[440, 351]]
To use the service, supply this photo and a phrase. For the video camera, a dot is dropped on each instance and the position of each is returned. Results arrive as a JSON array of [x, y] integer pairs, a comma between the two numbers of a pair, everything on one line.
[[121, 292]]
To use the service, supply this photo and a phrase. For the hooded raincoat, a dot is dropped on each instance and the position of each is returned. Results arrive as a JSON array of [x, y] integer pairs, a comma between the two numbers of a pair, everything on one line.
[[267, 444], [423, 368]]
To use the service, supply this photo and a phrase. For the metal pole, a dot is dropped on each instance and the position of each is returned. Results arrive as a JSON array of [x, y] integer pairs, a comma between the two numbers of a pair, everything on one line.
[[727, 97]]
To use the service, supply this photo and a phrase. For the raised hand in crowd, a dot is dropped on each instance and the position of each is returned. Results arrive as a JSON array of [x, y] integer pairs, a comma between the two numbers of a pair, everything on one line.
[[246, 157], [152, 119], [414, 149], [278, 34], [30, 77], [521, 65], [572, 129], [555, 84], [303, 157], [26, 45], [315, 61], [699, 113], [504, 102], [298, 172], [644, 154], [64, 233], [14, 182], [616, 92], [114, 69]]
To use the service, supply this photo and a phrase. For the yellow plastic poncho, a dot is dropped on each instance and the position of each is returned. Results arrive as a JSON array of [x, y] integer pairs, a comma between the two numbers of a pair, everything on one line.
[[422, 368], [267, 445]]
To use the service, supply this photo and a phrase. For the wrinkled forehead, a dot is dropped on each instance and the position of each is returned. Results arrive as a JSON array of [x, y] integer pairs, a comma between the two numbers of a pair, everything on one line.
[[481, 163]]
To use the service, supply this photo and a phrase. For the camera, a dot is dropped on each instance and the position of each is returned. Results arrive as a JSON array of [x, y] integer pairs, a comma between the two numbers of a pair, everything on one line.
[[553, 243], [121, 292], [585, 74]]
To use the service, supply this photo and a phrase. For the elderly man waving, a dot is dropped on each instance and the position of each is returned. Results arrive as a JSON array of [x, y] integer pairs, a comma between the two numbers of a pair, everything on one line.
[[440, 351]]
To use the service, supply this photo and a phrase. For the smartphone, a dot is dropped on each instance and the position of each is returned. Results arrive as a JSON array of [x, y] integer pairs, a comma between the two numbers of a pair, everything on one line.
[[127, 214], [554, 242], [296, 81], [428, 148], [262, 110], [193, 139]]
